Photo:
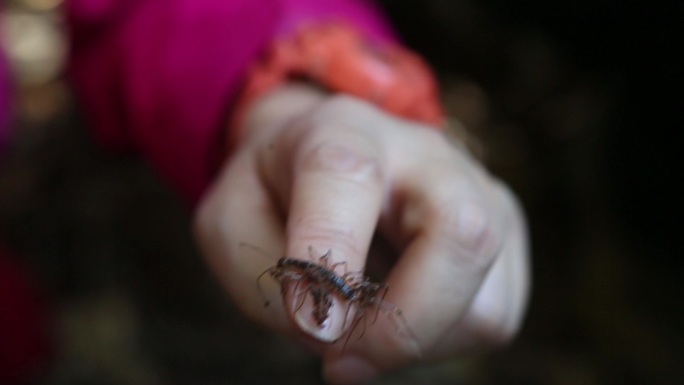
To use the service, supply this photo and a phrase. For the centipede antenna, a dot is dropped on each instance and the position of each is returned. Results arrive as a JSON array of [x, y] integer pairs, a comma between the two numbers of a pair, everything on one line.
[[384, 288], [335, 265], [322, 260], [300, 295], [325, 258], [351, 330], [354, 277], [365, 326], [270, 270], [400, 323], [261, 290], [346, 315]]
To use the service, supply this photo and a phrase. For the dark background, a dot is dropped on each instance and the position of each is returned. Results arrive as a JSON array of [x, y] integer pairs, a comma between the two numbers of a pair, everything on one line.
[[574, 103]]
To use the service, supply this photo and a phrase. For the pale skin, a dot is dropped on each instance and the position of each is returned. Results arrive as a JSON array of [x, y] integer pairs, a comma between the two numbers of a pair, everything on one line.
[[315, 170]]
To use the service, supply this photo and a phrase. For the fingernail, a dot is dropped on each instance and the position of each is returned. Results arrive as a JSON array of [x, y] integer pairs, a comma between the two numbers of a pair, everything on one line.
[[349, 370], [302, 310]]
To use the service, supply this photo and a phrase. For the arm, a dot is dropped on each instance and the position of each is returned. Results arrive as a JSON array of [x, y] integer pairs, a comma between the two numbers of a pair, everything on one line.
[[309, 169]]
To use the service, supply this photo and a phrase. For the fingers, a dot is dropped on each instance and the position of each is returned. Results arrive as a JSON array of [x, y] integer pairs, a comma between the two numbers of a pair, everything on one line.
[[328, 181], [238, 210], [455, 247], [433, 283], [336, 187], [461, 281], [497, 310]]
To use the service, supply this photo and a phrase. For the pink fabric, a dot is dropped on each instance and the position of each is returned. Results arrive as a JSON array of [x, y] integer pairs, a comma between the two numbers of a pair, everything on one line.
[[158, 76]]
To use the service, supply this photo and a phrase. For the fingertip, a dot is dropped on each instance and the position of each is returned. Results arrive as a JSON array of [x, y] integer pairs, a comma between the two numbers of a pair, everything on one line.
[[322, 323]]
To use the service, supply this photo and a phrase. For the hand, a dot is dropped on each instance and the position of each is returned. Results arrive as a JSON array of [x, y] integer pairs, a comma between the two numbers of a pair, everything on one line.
[[330, 172]]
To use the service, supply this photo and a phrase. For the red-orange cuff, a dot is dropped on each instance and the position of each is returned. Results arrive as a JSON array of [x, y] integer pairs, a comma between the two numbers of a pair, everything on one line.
[[338, 57]]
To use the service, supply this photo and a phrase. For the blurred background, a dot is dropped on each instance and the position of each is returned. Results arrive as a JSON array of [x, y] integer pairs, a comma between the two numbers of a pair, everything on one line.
[[575, 104]]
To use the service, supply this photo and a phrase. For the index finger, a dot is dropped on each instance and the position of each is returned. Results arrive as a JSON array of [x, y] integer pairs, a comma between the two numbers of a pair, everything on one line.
[[337, 190]]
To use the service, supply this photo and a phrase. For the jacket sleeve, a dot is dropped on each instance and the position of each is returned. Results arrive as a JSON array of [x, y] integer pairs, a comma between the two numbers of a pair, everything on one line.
[[159, 76]]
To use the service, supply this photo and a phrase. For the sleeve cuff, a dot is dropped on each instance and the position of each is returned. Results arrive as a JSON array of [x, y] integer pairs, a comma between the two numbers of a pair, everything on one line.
[[339, 58]]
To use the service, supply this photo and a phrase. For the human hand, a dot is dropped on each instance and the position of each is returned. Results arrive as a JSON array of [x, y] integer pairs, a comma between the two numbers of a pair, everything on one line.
[[329, 172]]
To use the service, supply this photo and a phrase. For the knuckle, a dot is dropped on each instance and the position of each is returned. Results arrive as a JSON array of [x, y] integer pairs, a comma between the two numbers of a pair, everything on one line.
[[436, 143], [341, 103], [348, 111], [470, 227], [434, 140], [343, 160]]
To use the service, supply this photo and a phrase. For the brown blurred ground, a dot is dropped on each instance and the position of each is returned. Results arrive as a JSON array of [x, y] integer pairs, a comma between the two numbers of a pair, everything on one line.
[[570, 104]]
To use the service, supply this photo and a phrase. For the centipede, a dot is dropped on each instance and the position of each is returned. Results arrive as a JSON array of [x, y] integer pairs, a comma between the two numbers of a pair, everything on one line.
[[357, 290], [321, 280]]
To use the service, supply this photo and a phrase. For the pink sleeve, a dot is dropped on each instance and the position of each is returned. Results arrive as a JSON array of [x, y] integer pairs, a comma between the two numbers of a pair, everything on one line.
[[159, 76]]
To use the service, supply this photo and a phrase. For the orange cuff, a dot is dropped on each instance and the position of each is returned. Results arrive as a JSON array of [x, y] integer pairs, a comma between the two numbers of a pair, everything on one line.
[[338, 57]]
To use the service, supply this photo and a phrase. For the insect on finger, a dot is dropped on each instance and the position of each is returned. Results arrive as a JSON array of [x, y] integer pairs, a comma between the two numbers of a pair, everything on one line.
[[322, 283], [320, 280], [260, 288], [370, 295]]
